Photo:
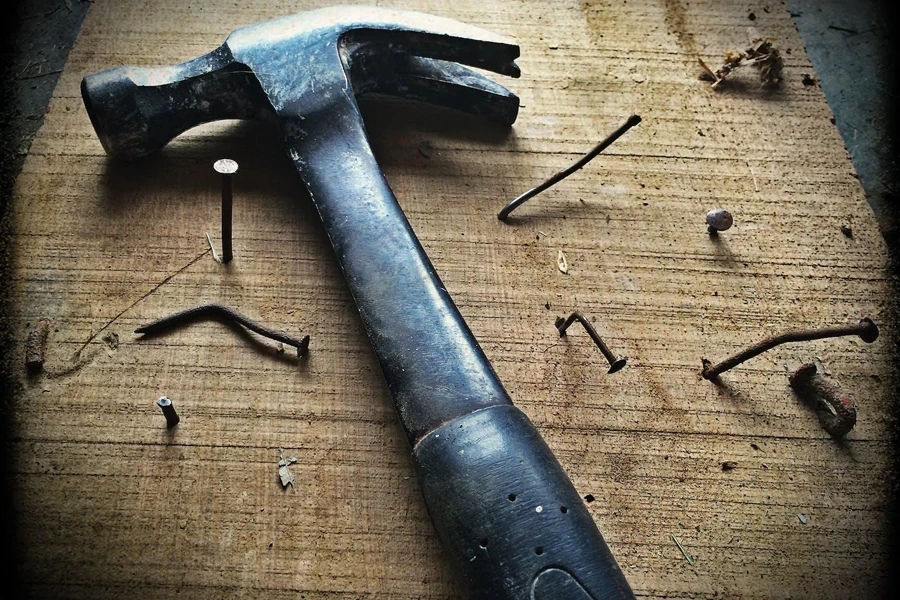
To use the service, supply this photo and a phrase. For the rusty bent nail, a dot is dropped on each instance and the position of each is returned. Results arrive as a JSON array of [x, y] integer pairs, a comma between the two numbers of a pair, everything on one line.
[[220, 311], [837, 412], [472, 447], [865, 329], [606, 143], [168, 410], [615, 363], [227, 168], [36, 346]]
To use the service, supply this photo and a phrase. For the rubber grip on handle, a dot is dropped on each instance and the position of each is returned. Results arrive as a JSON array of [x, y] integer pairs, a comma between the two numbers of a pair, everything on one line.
[[508, 515]]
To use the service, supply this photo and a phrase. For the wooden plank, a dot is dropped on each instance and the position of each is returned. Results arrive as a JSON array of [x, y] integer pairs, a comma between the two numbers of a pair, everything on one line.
[[113, 504]]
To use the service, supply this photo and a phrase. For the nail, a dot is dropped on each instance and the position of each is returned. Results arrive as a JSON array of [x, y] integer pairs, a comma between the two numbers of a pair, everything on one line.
[[718, 220], [36, 346], [865, 329], [227, 168], [628, 124], [220, 311], [837, 412], [168, 410], [615, 363]]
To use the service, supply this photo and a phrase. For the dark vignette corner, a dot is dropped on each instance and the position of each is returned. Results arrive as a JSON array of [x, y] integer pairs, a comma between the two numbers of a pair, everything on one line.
[[36, 38], [891, 231]]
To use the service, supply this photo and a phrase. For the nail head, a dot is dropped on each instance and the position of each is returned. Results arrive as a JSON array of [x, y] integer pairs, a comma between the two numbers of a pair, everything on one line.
[[168, 411], [226, 166], [719, 219], [618, 365], [869, 331]]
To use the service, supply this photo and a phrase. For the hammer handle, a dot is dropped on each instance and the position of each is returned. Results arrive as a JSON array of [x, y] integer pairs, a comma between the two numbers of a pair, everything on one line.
[[435, 369], [503, 506]]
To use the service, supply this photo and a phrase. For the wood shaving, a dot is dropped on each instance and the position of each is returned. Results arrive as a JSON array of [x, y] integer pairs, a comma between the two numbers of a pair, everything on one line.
[[284, 469], [762, 55], [213, 249], [562, 263]]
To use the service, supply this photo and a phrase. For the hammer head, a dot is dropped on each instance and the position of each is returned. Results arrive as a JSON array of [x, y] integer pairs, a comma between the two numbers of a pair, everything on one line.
[[296, 67]]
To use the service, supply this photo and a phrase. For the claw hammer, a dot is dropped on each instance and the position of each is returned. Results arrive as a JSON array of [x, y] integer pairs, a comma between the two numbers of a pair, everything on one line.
[[508, 516]]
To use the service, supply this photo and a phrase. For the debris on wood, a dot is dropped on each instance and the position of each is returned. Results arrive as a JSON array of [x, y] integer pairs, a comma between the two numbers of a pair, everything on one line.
[[36, 346], [803, 518], [729, 465], [807, 80], [562, 263], [847, 230], [762, 55], [687, 556], [284, 469], [111, 339]]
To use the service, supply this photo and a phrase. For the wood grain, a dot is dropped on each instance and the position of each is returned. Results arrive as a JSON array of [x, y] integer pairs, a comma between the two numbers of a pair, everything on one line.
[[111, 503]]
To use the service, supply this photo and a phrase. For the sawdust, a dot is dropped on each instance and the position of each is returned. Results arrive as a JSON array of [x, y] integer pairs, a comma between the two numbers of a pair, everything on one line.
[[761, 54]]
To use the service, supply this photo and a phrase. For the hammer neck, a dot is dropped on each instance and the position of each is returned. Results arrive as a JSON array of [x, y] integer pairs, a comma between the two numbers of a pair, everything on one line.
[[433, 365]]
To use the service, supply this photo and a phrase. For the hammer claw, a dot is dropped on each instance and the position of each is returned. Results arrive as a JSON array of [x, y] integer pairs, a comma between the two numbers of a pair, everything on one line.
[[491, 56], [436, 82]]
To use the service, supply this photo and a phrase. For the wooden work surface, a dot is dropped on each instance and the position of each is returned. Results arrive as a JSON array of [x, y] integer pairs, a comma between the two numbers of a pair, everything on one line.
[[113, 504]]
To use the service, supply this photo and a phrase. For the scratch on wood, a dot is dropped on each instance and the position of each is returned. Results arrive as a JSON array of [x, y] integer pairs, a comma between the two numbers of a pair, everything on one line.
[[132, 305]]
